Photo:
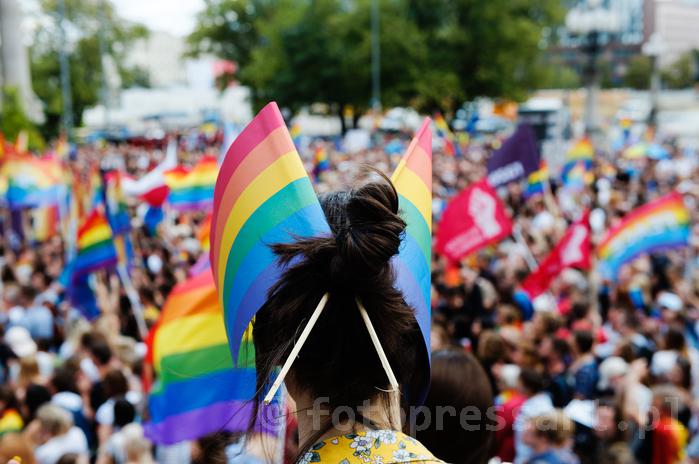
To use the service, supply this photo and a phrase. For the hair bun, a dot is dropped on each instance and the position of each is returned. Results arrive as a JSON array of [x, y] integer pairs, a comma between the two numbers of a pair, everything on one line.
[[372, 228]]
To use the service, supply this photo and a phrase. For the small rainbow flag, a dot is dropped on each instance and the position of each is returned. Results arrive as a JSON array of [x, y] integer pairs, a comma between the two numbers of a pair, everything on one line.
[[117, 212], [296, 133], [263, 195], [659, 225], [536, 180], [198, 391], [320, 162], [32, 182], [192, 189], [95, 245], [413, 181], [11, 421], [450, 146], [582, 153]]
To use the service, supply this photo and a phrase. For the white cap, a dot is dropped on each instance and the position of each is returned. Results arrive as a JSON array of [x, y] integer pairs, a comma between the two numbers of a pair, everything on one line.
[[670, 301], [20, 341], [614, 366], [509, 375]]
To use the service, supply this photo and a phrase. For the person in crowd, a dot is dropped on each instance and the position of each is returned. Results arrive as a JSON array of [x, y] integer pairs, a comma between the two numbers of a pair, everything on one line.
[[457, 409], [54, 435], [549, 437], [532, 384]]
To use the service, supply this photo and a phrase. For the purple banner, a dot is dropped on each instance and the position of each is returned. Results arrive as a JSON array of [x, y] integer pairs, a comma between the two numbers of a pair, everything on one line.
[[516, 159]]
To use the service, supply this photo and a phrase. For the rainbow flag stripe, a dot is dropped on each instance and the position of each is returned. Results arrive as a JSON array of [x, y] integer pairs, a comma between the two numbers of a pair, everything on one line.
[[263, 196], [95, 245], [204, 234], [659, 225], [198, 391], [192, 189], [30, 182], [413, 181], [535, 182]]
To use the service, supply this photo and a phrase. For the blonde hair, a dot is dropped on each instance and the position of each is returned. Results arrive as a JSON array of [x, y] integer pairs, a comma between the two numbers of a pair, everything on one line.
[[54, 420], [554, 426]]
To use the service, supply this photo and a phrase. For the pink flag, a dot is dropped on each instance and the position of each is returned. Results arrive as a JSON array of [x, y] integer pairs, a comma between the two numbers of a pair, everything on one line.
[[573, 250], [474, 219]]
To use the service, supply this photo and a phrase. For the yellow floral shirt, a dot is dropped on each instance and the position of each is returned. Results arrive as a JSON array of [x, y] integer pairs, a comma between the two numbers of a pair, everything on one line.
[[371, 447]]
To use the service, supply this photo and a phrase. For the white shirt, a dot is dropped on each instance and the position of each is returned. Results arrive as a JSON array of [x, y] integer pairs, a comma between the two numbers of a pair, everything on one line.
[[73, 441]]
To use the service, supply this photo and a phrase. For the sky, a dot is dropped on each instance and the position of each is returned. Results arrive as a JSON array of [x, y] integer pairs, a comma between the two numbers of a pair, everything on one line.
[[174, 16]]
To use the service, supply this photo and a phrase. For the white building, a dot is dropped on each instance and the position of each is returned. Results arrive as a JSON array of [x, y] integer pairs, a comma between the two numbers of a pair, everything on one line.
[[677, 22]]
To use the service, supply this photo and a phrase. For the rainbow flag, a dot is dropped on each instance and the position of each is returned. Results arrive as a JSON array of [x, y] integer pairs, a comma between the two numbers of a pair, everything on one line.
[[659, 225], [32, 182], [577, 177], [192, 189], [117, 212], [413, 181], [320, 162], [263, 195], [198, 391], [582, 153], [450, 146], [95, 245], [536, 182]]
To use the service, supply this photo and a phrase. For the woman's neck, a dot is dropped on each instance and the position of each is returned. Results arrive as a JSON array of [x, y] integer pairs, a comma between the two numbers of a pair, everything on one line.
[[316, 415]]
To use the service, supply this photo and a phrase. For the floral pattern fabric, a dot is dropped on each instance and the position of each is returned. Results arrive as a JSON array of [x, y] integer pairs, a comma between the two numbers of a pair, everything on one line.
[[372, 447]]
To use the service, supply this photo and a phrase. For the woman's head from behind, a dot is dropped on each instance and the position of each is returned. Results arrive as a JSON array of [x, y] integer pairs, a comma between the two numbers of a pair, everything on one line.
[[458, 403], [338, 363]]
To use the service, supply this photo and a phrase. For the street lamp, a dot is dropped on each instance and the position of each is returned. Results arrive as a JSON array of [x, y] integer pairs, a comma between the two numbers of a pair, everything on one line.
[[592, 22], [653, 48]]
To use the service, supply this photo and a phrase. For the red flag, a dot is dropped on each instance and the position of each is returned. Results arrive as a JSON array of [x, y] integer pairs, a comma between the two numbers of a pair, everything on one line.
[[473, 219], [573, 250]]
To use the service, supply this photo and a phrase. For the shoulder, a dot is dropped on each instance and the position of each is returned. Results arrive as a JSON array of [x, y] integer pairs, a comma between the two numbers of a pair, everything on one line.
[[380, 446]]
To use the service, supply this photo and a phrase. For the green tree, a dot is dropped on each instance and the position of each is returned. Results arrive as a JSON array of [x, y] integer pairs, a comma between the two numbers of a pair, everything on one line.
[[434, 53], [84, 20], [681, 73], [13, 120], [320, 51], [639, 72]]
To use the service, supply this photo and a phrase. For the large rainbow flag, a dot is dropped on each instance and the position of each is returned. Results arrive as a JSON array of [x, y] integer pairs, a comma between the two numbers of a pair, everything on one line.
[[263, 196], [661, 224], [192, 189], [95, 245], [198, 391], [30, 182], [413, 181]]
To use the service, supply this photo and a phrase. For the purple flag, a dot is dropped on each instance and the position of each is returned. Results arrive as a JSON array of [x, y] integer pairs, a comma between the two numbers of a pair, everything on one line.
[[516, 159]]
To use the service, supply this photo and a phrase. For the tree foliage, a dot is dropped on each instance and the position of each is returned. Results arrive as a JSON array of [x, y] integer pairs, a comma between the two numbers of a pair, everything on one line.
[[84, 26], [434, 53], [13, 120]]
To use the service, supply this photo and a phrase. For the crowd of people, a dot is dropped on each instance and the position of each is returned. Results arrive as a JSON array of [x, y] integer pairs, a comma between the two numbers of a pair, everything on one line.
[[597, 371]]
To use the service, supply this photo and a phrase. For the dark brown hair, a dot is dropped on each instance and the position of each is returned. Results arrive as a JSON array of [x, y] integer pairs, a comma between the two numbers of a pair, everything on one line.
[[338, 360], [458, 382]]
